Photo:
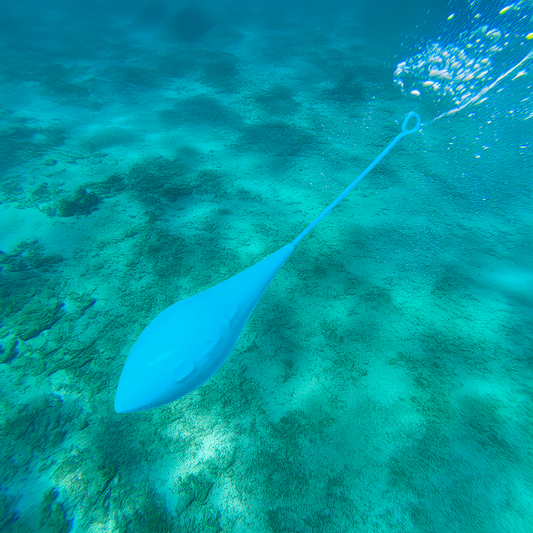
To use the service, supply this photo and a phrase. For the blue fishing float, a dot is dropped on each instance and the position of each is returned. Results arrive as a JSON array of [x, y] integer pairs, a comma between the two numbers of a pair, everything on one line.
[[188, 342]]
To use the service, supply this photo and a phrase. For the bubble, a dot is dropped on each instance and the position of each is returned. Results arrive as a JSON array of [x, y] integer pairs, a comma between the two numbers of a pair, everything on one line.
[[471, 54]]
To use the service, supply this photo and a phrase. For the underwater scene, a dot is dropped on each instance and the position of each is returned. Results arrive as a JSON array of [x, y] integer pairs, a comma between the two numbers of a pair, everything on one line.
[[151, 150]]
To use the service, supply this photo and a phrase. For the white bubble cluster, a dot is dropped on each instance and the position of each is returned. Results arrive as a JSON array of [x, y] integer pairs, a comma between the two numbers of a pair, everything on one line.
[[451, 74]]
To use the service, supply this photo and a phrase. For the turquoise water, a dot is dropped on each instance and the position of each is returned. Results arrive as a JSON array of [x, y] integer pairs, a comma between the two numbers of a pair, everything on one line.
[[383, 383]]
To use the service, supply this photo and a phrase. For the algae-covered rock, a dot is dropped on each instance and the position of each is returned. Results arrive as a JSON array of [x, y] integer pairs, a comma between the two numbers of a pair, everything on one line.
[[38, 426], [41, 193], [38, 316], [53, 514], [26, 256], [8, 349], [8, 515], [111, 186], [192, 489], [82, 203]]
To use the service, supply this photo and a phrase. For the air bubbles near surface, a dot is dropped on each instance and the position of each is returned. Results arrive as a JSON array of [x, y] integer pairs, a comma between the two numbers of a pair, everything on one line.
[[470, 52], [472, 82]]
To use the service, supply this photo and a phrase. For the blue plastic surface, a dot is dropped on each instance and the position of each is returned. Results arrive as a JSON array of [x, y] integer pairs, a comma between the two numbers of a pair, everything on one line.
[[189, 341]]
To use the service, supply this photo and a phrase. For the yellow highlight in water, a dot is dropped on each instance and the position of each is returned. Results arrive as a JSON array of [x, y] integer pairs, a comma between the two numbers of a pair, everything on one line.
[[505, 9], [529, 36]]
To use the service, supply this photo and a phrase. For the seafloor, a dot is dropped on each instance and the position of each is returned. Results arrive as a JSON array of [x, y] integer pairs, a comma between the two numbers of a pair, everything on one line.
[[383, 383]]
